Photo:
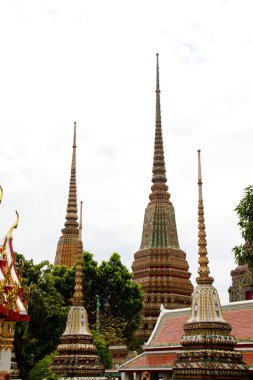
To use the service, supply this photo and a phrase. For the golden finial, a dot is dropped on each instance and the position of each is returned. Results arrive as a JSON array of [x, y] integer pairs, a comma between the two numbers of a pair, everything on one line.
[[14, 225], [203, 270], [1, 193], [81, 221], [74, 138]]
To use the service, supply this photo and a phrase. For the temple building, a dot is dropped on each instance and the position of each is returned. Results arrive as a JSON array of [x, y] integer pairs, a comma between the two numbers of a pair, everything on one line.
[[208, 347], [197, 343], [76, 353], [242, 284], [160, 265], [160, 352], [13, 308], [67, 245]]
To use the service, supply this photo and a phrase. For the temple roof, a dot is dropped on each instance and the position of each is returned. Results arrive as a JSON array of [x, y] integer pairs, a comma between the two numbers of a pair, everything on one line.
[[12, 305], [160, 350]]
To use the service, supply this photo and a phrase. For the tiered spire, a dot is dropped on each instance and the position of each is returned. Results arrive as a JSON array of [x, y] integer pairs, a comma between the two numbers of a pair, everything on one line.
[[76, 358], [71, 224], [160, 266], [159, 187], [203, 270], [68, 243], [208, 348]]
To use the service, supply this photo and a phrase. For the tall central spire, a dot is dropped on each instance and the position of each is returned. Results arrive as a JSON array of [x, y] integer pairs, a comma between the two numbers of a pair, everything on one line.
[[159, 187], [160, 265], [68, 243]]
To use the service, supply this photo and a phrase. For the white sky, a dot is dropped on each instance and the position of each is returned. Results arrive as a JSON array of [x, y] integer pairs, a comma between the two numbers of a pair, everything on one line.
[[94, 62]]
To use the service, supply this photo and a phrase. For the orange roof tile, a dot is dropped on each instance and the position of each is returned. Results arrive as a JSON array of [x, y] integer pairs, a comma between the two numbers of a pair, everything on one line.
[[152, 360], [241, 322], [170, 328]]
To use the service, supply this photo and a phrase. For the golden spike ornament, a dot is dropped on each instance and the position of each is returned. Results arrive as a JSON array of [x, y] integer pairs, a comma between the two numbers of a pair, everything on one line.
[[8, 278], [3, 250], [1, 194], [203, 269], [12, 296], [2, 285], [14, 225]]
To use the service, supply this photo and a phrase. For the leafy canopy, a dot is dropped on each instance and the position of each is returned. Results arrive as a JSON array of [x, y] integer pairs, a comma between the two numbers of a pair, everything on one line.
[[51, 290], [244, 252]]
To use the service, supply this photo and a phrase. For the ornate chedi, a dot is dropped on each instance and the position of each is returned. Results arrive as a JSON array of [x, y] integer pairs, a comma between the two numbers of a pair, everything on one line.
[[242, 284], [67, 245], [13, 307], [160, 265], [76, 356], [208, 347]]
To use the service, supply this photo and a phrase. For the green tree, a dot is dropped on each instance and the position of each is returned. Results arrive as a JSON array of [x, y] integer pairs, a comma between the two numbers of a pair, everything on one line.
[[102, 349], [64, 280], [41, 369], [51, 289], [48, 311], [244, 252], [120, 294]]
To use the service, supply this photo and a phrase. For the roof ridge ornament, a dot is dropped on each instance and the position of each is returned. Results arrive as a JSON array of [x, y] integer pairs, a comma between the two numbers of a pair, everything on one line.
[[1, 193], [15, 225]]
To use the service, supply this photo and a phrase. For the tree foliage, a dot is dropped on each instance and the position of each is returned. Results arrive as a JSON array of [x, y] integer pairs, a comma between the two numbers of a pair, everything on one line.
[[102, 349], [244, 252], [41, 369], [51, 290], [123, 296], [47, 310]]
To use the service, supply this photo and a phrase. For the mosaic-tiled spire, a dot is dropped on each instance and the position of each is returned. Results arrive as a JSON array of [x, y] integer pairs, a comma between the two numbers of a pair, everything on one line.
[[68, 243], [160, 265], [208, 348], [159, 187], [71, 224], [203, 270]]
